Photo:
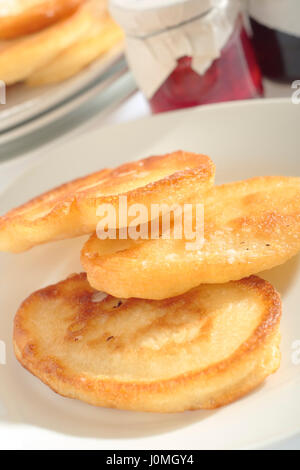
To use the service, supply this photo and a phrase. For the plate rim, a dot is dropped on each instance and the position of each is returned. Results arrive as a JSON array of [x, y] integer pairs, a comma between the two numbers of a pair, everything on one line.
[[57, 94]]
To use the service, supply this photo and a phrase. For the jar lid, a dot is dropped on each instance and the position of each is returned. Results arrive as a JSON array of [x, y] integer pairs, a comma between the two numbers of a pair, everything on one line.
[[139, 17], [158, 33]]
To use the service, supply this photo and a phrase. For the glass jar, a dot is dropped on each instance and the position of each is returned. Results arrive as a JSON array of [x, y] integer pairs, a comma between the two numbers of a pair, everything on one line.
[[276, 37], [186, 53]]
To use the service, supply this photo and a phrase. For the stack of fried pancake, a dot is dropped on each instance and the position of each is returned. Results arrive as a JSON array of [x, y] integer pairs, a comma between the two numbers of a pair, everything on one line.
[[150, 325], [47, 41]]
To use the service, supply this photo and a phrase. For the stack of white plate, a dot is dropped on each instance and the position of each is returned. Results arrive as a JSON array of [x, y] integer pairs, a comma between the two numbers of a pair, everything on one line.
[[28, 109]]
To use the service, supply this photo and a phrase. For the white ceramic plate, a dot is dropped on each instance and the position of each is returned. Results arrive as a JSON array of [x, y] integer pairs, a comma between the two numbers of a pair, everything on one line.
[[244, 139], [24, 103]]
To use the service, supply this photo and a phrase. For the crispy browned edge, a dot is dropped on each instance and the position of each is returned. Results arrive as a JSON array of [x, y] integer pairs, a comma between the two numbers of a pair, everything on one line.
[[25, 351], [175, 178], [37, 18], [16, 212]]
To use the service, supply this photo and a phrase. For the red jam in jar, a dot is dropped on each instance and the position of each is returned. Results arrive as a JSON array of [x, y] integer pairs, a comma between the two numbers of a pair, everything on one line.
[[235, 75]]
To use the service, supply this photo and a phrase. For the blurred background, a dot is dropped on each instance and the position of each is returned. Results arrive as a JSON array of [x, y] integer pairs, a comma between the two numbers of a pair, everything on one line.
[[71, 66], [90, 57]]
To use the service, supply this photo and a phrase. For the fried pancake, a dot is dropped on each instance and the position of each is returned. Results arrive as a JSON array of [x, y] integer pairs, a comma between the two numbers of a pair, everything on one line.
[[103, 36], [249, 226], [22, 17], [70, 210], [21, 57], [203, 349]]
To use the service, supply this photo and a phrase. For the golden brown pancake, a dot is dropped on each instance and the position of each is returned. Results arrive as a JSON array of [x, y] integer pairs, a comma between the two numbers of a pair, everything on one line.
[[19, 58], [104, 35], [22, 17], [203, 349], [70, 210], [249, 226]]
